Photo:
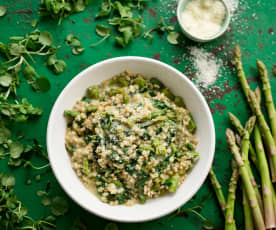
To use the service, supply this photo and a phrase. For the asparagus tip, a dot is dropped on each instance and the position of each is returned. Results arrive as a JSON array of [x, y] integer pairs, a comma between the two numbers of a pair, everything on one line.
[[250, 124], [230, 135]]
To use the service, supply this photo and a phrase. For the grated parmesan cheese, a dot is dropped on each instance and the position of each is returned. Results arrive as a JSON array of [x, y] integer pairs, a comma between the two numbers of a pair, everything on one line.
[[203, 18], [206, 65]]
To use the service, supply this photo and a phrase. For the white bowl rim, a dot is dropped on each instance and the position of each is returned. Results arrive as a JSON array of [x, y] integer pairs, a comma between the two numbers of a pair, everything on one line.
[[211, 38], [155, 215]]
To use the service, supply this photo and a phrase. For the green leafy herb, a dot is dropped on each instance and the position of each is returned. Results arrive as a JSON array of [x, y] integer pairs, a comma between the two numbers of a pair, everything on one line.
[[46, 201], [41, 193], [172, 37], [103, 31], [41, 84], [13, 214], [74, 42], [123, 21], [56, 65], [34, 23], [45, 38], [161, 28], [61, 9], [59, 206], [18, 112], [18, 153], [18, 54], [105, 9], [3, 11], [16, 149]]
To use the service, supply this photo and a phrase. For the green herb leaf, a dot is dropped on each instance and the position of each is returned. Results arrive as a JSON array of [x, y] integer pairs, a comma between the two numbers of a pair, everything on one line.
[[45, 38], [103, 30], [5, 80], [120, 41], [8, 181], [72, 40], [41, 84], [5, 134], [78, 50], [124, 11], [56, 65], [79, 5], [105, 9], [41, 193], [172, 38], [16, 49], [29, 72], [3, 11], [46, 201], [16, 149], [34, 23], [59, 206]]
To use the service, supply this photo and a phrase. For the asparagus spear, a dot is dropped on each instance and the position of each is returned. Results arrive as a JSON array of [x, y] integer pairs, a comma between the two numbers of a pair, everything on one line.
[[268, 139], [229, 211], [248, 219], [217, 188], [246, 88], [244, 150], [237, 124], [268, 96], [253, 202], [266, 183], [246, 145], [258, 94]]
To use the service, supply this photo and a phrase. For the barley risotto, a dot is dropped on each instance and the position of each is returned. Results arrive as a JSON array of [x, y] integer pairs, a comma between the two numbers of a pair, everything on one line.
[[130, 139]]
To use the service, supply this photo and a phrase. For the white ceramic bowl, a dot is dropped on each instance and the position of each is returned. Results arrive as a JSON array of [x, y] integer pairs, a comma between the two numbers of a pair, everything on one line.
[[182, 4], [174, 80]]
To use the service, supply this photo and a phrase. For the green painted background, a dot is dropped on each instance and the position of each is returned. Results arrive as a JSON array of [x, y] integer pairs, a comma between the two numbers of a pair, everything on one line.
[[253, 28]]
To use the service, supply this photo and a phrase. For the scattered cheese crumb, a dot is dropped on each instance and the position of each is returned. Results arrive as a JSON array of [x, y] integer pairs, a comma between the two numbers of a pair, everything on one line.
[[206, 65]]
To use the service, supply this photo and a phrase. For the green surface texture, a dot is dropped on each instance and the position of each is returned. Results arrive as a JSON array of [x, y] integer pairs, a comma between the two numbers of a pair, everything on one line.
[[253, 28]]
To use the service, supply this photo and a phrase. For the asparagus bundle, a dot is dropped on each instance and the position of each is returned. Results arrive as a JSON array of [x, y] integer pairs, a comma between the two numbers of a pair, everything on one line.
[[259, 208], [251, 194], [255, 107], [244, 150], [228, 210]]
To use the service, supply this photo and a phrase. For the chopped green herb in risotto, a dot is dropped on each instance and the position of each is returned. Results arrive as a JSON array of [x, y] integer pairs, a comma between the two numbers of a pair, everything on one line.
[[131, 139]]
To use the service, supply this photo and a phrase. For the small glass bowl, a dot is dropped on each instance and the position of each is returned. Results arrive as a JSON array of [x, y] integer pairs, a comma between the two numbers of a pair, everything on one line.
[[182, 4]]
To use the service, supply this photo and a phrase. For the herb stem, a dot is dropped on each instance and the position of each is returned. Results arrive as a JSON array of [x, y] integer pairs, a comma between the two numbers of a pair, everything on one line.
[[100, 41], [11, 60], [17, 64], [28, 163]]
